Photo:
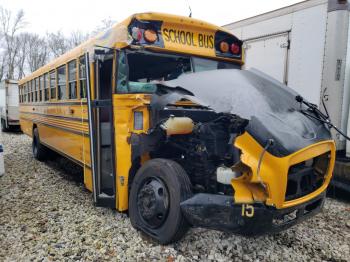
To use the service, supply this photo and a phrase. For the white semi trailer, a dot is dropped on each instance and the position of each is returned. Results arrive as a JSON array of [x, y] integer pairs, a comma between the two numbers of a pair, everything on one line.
[[305, 46], [9, 105]]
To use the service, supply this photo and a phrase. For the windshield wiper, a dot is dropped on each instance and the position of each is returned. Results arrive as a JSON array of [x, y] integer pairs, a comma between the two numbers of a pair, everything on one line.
[[324, 118]]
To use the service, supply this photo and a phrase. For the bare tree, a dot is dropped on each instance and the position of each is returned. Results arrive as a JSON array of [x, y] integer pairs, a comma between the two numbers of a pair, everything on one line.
[[76, 38], [37, 52], [104, 25], [9, 27], [2, 64], [57, 43], [21, 54]]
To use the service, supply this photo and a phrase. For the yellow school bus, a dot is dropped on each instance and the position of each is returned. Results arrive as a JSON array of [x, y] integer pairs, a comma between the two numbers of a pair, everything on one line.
[[168, 127]]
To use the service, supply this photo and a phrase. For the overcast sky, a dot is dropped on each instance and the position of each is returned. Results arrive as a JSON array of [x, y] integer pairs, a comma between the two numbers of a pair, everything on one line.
[[71, 15]]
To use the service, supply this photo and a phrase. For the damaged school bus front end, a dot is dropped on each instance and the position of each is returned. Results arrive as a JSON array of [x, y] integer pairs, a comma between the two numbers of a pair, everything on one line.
[[279, 193], [206, 143], [257, 164]]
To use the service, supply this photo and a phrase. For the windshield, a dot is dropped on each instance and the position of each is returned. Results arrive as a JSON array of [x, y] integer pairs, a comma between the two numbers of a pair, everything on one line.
[[139, 72]]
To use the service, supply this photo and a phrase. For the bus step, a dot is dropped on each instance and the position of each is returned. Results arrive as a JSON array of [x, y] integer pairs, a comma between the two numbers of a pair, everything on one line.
[[104, 200]]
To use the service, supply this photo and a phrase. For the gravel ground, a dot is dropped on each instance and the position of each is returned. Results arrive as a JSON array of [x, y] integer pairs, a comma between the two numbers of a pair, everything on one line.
[[46, 214]]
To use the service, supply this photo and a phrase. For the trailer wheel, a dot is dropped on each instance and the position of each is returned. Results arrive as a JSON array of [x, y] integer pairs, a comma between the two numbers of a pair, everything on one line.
[[40, 151], [3, 126], [157, 190]]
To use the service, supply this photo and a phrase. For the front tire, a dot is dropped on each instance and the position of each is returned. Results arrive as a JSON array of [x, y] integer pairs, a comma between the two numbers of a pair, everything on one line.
[[40, 152], [157, 190]]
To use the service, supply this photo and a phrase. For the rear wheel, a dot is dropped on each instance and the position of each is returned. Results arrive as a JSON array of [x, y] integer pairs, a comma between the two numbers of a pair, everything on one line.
[[157, 190], [3, 126], [40, 151]]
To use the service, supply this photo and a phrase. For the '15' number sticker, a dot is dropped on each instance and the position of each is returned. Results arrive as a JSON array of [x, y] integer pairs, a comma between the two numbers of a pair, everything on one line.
[[247, 210]]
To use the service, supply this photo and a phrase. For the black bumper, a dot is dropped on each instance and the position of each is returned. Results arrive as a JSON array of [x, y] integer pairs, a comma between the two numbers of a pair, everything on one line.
[[221, 213]]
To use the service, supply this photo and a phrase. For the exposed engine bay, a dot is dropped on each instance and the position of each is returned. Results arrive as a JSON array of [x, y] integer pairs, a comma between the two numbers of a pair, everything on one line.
[[206, 149], [203, 148]]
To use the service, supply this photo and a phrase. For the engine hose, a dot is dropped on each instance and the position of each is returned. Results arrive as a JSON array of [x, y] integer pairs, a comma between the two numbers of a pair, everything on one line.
[[268, 144]]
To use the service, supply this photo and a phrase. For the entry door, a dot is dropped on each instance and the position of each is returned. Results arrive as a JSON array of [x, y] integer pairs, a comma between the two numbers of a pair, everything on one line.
[[269, 54], [102, 131]]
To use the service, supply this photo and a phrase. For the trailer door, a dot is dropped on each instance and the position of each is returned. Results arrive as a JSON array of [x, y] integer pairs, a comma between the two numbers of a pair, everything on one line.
[[269, 54]]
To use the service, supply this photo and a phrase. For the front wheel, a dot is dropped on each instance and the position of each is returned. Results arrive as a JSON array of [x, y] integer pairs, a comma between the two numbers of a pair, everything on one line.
[[157, 190]]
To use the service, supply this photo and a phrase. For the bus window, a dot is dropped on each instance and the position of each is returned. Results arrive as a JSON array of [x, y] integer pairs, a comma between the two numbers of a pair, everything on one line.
[[29, 91], [32, 87], [202, 64], [150, 67], [25, 92], [46, 87], [41, 88], [32, 91], [53, 84], [82, 77], [61, 82], [21, 94], [72, 80], [32, 83], [122, 77], [146, 68], [36, 92]]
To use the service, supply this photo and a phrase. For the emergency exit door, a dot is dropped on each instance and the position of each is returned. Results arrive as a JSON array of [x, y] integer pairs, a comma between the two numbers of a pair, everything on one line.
[[268, 54]]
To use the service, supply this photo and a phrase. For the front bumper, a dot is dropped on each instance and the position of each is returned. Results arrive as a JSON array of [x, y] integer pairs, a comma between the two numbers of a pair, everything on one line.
[[221, 213]]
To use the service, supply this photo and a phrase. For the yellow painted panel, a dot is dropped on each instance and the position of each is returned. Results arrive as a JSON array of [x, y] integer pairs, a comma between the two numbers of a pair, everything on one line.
[[26, 126], [53, 109], [274, 170], [72, 145], [88, 178], [124, 106], [189, 39], [242, 192]]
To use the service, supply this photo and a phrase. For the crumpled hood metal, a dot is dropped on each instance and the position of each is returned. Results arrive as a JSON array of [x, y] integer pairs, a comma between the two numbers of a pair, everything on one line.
[[268, 104]]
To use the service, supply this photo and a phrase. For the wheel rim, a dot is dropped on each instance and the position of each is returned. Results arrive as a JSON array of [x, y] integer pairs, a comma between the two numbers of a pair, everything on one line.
[[153, 202]]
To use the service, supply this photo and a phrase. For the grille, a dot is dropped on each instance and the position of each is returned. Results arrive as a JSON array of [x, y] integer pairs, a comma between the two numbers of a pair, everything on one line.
[[306, 177]]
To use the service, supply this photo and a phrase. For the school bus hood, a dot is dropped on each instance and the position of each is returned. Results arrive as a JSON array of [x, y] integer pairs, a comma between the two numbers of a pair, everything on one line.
[[269, 105]]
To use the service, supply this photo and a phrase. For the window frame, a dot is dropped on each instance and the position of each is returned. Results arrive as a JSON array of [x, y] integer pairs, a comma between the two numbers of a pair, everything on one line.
[[58, 82], [69, 81], [32, 91], [53, 72], [25, 90], [20, 93], [36, 89], [41, 87], [80, 79], [46, 77]]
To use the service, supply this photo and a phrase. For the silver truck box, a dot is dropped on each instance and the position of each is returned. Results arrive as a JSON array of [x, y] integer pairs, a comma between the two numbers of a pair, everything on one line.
[[305, 46], [9, 104]]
